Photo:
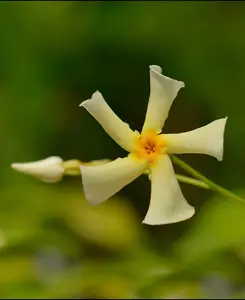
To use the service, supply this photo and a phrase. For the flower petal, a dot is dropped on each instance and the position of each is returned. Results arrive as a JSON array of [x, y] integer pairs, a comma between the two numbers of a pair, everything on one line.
[[167, 204], [103, 181], [162, 94], [112, 124], [208, 140]]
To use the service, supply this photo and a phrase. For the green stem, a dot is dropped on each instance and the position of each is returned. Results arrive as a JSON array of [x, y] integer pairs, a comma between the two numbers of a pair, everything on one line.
[[192, 181], [211, 184], [185, 179], [71, 167]]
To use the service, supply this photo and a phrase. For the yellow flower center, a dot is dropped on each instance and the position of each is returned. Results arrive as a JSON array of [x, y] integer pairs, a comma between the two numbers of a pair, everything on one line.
[[149, 146]]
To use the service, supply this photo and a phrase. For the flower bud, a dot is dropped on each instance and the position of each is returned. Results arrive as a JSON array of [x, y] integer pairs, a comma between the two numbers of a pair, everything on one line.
[[49, 170]]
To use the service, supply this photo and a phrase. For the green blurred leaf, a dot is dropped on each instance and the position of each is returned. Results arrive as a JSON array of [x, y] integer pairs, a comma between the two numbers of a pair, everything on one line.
[[112, 224], [219, 226], [16, 268]]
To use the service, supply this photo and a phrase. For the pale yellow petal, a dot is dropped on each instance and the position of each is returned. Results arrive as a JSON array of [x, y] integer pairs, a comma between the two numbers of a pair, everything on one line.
[[103, 181], [208, 140], [118, 130], [167, 204], [163, 91]]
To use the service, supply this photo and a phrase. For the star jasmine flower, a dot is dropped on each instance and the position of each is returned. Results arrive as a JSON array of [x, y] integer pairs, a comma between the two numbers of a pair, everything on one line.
[[149, 151]]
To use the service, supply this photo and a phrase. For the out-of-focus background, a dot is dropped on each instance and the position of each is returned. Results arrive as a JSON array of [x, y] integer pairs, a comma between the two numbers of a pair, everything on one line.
[[54, 55]]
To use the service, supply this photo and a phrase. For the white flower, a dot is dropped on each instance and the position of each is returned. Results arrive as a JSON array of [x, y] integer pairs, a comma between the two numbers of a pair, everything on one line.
[[49, 170], [149, 150]]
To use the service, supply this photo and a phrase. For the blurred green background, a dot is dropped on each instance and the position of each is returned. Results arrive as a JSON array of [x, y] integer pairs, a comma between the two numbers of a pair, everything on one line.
[[54, 55]]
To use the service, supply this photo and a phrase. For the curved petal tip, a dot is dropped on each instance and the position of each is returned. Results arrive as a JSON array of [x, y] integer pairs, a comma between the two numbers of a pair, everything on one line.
[[183, 214], [222, 132], [95, 94], [156, 68]]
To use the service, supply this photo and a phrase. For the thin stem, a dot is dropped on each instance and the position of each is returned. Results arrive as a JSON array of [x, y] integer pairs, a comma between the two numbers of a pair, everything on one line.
[[201, 177], [185, 179], [71, 167], [192, 181]]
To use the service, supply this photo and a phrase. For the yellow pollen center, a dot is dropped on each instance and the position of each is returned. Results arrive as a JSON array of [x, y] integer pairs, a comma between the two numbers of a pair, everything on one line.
[[149, 146]]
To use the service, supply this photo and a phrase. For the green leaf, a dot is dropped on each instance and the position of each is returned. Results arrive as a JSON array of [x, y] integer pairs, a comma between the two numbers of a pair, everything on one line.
[[219, 226]]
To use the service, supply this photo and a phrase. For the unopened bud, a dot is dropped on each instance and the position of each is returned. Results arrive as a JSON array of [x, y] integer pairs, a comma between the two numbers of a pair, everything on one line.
[[49, 170], [53, 168]]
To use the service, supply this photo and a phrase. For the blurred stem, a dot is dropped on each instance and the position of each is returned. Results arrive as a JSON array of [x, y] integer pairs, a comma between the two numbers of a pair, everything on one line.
[[222, 191]]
